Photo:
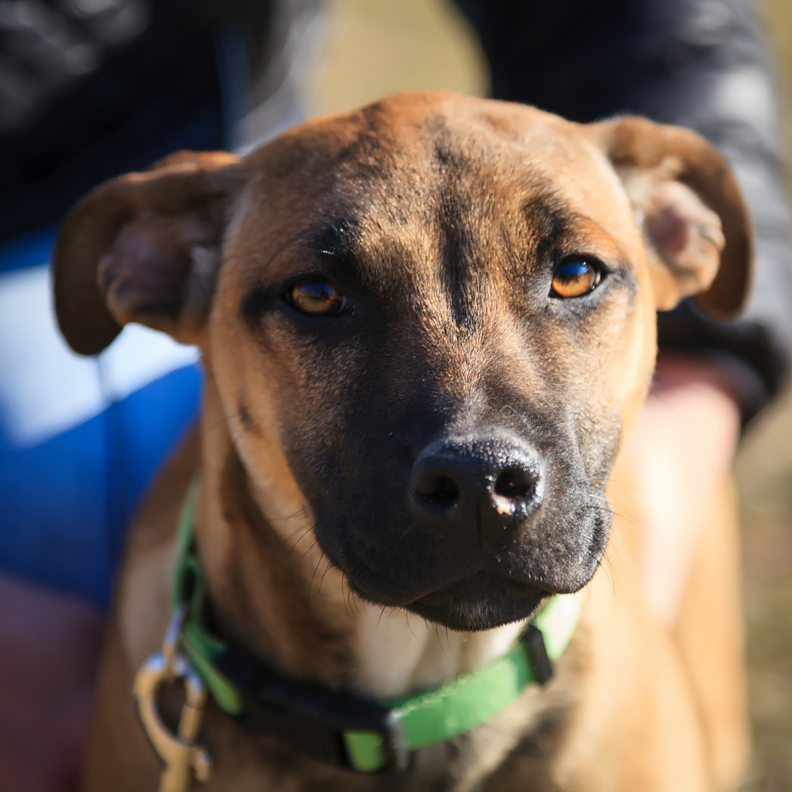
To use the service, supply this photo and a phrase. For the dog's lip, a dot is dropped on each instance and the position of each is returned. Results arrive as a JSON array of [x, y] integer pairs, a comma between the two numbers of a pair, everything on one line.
[[435, 589], [378, 584], [479, 602], [492, 576], [477, 579], [368, 592]]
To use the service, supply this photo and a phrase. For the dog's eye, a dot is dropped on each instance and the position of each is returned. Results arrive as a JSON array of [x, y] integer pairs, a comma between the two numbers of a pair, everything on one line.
[[315, 297], [575, 278]]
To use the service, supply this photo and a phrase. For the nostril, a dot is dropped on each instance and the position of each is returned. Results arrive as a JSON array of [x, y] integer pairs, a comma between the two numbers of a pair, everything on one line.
[[490, 484], [445, 490], [515, 484], [438, 490]]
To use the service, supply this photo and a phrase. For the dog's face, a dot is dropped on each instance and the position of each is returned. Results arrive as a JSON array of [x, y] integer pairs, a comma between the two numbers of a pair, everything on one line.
[[445, 322], [430, 323]]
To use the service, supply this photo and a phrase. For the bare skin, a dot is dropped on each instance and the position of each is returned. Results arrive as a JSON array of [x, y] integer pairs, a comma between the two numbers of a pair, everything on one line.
[[683, 446]]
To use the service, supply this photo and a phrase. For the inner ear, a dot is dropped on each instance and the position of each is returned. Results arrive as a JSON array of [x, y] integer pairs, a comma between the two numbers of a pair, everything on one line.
[[161, 272], [684, 239], [145, 248], [695, 222]]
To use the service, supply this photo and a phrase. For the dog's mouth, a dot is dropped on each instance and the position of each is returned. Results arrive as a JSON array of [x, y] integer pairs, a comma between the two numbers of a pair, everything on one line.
[[470, 593], [479, 602]]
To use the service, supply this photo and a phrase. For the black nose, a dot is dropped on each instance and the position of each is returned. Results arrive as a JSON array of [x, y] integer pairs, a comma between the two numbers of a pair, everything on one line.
[[484, 482]]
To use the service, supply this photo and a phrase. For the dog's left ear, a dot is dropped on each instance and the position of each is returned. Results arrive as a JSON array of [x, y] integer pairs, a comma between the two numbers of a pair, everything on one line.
[[695, 222], [145, 247]]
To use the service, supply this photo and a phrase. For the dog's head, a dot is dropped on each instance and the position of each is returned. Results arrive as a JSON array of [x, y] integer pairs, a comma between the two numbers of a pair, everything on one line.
[[436, 313]]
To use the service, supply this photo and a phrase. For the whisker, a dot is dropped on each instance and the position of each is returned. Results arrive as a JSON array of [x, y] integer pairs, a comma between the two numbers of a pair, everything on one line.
[[299, 539], [613, 512], [316, 569], [437, 636], [321, 580], [299, 561]]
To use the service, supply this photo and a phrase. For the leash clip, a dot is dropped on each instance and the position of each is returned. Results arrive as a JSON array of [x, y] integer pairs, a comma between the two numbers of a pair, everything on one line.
[[179, 753]]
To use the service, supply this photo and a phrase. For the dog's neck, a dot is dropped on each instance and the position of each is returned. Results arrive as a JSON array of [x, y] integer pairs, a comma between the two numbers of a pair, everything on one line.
[[279, 596], [398, 652]]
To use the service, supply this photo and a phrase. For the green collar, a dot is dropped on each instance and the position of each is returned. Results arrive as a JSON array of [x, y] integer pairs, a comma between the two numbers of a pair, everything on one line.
[[398, 727]]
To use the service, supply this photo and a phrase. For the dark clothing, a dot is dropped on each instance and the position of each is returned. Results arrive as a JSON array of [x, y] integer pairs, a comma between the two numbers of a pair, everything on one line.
[[86, 95], [697, 63], [91, 90]]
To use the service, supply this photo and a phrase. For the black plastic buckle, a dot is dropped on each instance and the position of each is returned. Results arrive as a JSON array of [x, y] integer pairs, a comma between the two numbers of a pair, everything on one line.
[[533, 640], [310, 717], [386, 723]]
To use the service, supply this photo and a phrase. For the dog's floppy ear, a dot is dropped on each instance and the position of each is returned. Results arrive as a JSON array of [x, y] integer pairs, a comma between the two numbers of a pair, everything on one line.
[[144, 248], [693, 215]]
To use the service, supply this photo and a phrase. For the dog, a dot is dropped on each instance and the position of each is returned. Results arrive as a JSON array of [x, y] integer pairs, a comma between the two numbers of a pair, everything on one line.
[[426, 328]]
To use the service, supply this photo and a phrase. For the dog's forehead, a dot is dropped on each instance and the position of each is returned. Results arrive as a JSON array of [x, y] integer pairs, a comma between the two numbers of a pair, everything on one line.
[[415, 161]]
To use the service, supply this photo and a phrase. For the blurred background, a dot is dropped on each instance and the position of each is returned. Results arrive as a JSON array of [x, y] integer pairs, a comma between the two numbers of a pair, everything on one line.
[[764, 474], [356, 51]]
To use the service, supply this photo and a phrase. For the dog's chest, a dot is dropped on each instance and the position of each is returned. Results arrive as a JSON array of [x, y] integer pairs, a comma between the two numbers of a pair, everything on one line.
[[397, 652]]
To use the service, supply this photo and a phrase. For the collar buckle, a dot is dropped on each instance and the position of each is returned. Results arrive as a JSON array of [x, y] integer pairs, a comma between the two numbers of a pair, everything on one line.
[[541, 665]]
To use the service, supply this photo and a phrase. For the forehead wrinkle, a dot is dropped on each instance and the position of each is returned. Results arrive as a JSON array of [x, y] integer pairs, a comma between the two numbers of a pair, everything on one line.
[[456, 300], [467, 228]]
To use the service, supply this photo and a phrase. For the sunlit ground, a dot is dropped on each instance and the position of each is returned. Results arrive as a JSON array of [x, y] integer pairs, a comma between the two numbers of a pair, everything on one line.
[[764, 470]]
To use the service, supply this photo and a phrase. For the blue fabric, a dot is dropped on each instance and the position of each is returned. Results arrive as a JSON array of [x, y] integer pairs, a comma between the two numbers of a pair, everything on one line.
[[82, 438], [27, 251], [67, 497]]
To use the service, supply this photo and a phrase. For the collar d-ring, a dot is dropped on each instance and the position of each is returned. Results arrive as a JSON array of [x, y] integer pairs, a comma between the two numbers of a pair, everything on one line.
[[181, 756]]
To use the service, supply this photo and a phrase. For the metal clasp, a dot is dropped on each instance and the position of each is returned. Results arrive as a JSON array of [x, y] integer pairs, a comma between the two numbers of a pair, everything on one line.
[[179, 753]]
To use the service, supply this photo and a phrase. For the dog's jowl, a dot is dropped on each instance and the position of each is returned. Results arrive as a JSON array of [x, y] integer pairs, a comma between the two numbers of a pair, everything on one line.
[[427, 327]]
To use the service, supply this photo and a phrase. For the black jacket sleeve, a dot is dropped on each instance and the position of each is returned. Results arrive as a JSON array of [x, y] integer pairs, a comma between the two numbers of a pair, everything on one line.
[[698, 63]]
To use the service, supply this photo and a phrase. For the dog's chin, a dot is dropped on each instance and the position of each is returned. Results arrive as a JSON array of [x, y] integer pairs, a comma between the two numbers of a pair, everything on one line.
[[479, 602]]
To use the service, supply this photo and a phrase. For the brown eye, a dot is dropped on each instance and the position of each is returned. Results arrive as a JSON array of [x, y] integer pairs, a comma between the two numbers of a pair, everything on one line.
[[574, 279], [315, 297]]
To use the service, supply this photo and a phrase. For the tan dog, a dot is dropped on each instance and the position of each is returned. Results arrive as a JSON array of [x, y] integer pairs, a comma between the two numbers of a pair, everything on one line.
[[426, 327]]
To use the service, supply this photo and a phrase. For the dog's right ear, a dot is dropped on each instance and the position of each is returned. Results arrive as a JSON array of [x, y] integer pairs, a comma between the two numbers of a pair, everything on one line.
[[145, 248]]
